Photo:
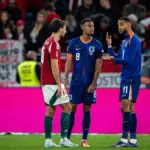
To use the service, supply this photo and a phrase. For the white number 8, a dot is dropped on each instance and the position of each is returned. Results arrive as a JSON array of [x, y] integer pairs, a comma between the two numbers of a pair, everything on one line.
[[77, 56]]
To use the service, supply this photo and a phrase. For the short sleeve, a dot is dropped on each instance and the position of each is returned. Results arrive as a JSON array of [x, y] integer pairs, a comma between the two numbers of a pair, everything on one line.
[[70, 49], [99, 50], [53, 51]]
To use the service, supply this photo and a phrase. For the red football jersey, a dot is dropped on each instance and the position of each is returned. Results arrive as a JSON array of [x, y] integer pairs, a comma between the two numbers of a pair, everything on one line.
[[50, 50]]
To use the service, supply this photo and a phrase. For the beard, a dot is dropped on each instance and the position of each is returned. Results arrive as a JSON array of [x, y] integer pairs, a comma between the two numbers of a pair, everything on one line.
[[123, 33]]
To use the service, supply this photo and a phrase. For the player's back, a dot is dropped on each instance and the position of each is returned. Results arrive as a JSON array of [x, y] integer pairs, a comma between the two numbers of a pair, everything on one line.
[[84, 58], [50, 50]]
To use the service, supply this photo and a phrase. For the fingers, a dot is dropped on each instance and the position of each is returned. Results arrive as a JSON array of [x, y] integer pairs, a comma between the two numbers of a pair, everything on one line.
[[108, 36], [59, 93], [90, 90]]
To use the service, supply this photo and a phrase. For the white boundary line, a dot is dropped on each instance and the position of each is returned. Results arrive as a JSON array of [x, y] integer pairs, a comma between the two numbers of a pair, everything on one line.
[[21, 133]]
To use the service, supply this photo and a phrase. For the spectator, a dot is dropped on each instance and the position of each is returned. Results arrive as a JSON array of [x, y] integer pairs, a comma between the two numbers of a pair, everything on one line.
[[101, 28], [51, 14], [111, 11], [137, 28], [28, 72], [8, 32], [71, 26], [38, 33], [146, 44], [14, 12], [146, 74], [86, 10], [3, 22], [135, 8], [19, 33]]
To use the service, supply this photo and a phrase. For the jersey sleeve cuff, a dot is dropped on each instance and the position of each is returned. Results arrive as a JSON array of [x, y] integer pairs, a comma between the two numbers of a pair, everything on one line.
[[69, 55]]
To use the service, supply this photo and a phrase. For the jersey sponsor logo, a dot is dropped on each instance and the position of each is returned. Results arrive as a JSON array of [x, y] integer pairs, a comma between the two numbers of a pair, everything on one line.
[[91, 50]]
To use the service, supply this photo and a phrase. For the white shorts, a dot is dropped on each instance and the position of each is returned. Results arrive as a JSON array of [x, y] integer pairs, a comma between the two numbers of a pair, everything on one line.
[[49, 94]]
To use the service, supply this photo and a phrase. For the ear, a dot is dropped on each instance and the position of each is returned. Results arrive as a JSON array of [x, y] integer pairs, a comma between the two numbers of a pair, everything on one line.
[[81, 26]]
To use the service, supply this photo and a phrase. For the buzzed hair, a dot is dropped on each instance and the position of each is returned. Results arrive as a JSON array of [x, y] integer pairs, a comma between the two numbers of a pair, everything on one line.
[[126, 19], [86, 20]]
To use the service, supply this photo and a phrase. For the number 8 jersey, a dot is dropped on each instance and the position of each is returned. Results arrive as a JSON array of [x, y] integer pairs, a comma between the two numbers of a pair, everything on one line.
[[84, 56], [50, 50]]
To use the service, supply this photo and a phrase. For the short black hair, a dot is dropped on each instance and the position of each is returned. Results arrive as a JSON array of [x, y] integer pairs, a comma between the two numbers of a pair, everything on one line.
[[126, 19], [55, 25], [86, 20]]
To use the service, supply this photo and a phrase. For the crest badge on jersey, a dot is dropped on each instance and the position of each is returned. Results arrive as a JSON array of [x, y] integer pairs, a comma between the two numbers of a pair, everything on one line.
[[91, 50]]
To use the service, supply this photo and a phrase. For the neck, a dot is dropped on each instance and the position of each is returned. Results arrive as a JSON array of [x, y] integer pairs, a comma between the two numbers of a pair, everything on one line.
[[56, 36], [129, 31], [86, 37]]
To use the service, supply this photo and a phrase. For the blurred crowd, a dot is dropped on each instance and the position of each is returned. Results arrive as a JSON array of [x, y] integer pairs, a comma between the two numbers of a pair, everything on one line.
[[28, 21], [31, 26]]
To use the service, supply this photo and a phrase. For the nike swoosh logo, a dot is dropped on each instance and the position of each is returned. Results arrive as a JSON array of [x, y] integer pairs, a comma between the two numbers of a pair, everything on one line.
[[78, 49]]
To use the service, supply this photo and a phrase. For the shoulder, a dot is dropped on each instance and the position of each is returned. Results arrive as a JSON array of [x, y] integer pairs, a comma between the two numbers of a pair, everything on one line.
[[135, 39], [73, 41], [97, 43]]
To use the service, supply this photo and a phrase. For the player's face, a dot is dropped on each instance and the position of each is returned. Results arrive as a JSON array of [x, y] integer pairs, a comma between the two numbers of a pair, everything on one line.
[[122, 26], [63, 31], [88, 28]]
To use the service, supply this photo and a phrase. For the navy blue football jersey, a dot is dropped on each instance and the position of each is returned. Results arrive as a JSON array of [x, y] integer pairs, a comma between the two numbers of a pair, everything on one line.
[[84, 58]]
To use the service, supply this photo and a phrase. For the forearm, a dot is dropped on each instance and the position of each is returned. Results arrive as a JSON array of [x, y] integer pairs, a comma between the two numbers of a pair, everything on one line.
[[67, 68], [56, 75], [96, 75], [97, 71], [112, 53], [121, 61]]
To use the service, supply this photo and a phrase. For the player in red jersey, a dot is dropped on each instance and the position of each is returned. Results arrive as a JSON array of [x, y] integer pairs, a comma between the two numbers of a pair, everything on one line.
[[53, 90]]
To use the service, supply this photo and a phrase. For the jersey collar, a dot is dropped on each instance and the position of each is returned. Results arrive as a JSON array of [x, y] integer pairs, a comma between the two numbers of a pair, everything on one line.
[[85, 42]]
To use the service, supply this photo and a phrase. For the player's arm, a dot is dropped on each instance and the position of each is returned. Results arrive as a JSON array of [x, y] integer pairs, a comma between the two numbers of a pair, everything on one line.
[[54, 63], [68, 64], [112, 53], [97, 70], [98, 64], [110, 49], [55, 71], [131, 52]]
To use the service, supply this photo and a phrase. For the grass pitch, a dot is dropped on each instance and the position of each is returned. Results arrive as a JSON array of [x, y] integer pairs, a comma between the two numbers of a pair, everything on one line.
[[36, 142]]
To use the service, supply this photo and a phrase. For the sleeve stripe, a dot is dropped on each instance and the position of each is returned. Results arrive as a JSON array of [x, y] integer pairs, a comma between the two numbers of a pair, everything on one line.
[[69, 55], [50, 47]]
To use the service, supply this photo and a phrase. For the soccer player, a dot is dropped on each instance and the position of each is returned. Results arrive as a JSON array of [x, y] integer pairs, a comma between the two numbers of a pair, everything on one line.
[[86, 53], [53, 90], [129, 56]]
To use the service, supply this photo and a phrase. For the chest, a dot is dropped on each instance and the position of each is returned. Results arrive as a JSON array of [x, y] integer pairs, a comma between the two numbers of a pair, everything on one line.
[[124, 48], [84, 52]]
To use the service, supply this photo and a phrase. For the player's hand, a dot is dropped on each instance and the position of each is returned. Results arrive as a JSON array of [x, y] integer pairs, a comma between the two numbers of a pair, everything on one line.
[[66, 83], [109, 58], [108, 39], [91, 88], [59, 91], [145, 80]]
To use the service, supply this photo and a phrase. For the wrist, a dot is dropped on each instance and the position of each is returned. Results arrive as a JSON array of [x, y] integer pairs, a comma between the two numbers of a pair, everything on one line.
[[94, 83], [65, 78]]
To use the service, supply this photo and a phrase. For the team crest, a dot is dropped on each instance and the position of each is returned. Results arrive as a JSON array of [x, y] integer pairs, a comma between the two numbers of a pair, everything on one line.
[[91, 50]]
